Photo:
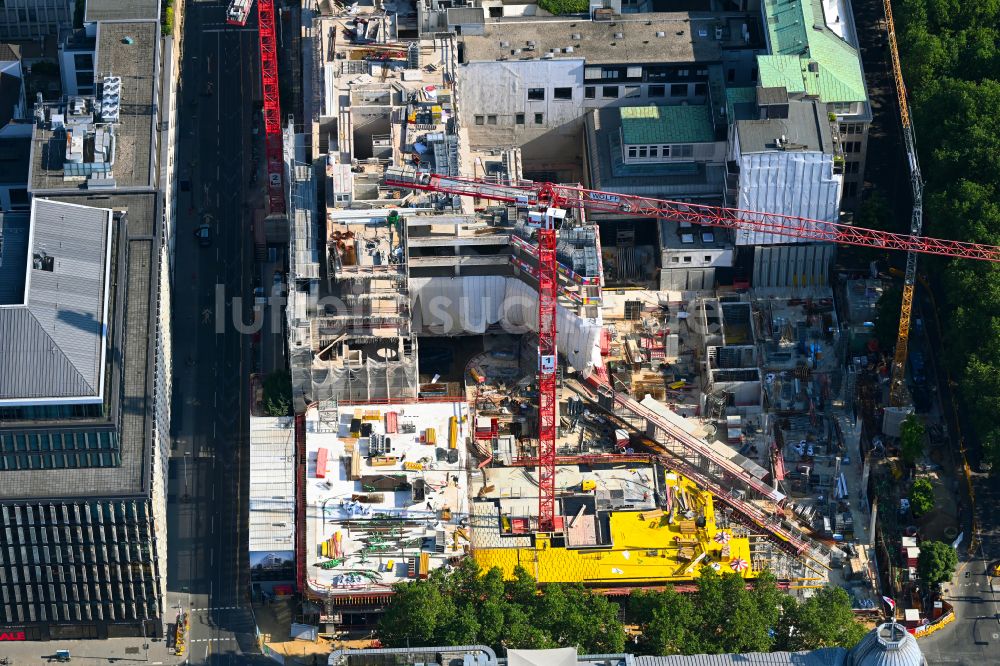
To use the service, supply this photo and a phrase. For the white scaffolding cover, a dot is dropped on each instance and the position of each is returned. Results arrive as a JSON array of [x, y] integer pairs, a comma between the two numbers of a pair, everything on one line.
[[469, 305]]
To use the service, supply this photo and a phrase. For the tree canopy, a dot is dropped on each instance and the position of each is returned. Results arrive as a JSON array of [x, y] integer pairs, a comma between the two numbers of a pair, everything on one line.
[[921, 497], [725, 616], [467, 606], [937, 562], [911, 439], [950, 52]]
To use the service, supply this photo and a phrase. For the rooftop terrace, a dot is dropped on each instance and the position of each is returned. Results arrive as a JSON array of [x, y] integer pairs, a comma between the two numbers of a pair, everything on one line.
[[386, 493], [128, 50]]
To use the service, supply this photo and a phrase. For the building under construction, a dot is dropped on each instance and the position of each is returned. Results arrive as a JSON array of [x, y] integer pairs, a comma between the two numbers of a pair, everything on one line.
[[696, 428]]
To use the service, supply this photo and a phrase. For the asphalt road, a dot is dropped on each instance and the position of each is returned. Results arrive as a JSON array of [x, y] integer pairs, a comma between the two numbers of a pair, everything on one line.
[[207, 539]]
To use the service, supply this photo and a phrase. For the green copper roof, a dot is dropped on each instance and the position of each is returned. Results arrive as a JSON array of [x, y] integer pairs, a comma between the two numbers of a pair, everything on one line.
[[666, 124], [807, 56], [738, 99]]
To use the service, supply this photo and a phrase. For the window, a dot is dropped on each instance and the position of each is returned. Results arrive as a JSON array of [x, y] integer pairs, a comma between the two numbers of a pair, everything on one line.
[[682, 72], [633, 152], [480, 120], [83, 60], [708, 258], [539, 118], [852, 167], [753, 75], [664, 151], [675, 260], [609, 92], [536, 94], [633, 91], [562, 93], [519, 118], [852, 146], [657, 91], [850, 190], [19, 199], [590, 92], [687, 258], [730, 75], [654, 151], [701, 71], [701, 89], [634, 72], [643, 152], [491, 120], [592, 73], [679, 90], [85, 79]]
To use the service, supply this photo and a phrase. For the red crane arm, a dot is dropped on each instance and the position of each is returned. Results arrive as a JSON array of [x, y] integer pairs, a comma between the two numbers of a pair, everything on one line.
[[564, 196], [273, 151]]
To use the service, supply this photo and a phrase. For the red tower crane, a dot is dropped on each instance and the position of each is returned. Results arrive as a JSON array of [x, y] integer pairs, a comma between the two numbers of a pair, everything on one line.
[[273, 152], [563, 196]]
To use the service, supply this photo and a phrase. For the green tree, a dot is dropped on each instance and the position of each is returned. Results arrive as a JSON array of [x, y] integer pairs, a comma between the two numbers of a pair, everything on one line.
[[558, 7], [664, 619], [911, 439], [469, 606], [731, 618], [416, 616], [278, 394], [937, 562], [824, 620], [572, 615], [921, 497]]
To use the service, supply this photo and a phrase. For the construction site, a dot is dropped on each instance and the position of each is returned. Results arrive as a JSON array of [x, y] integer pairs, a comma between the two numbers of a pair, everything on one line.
[[490, 360]]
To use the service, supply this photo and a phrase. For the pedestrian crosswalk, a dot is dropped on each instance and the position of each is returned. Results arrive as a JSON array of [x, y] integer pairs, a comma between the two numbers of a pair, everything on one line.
[[215, 608]]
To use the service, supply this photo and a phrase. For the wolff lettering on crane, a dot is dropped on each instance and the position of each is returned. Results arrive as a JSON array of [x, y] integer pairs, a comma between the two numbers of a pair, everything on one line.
[[12, 636], [604, 196]]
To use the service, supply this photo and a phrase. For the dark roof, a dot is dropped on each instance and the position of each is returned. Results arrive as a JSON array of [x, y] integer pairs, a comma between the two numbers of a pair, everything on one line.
[[807, 127], [122, 10], [10, 96], [778, 95], [10, 52], [15, 155]]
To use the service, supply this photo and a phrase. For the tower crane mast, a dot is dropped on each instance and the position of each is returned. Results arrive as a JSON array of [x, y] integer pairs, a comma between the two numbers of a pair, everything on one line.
[[528, 193], [897, 387]]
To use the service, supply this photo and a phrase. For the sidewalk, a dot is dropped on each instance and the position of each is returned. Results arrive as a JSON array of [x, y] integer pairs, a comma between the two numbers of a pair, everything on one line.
[[112, 650]]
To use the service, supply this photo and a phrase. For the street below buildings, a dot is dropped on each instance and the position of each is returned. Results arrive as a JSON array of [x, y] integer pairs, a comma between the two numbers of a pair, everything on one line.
[[212, 294]]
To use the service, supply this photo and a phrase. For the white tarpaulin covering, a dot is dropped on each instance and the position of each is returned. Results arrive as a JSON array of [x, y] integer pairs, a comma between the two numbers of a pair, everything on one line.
[[557, 657], [799, 184], [469, 305]]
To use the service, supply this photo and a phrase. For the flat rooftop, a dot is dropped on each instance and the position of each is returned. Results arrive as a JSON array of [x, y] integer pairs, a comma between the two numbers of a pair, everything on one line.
[[272, 484], [377, 520], [638, 38], [109, 455], [53, 335], [807, 128], [122, 10], [136, 64]]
